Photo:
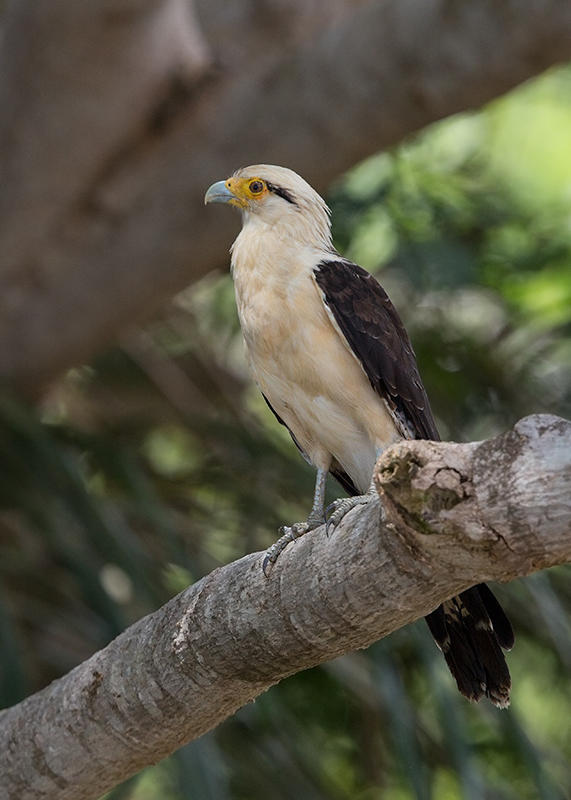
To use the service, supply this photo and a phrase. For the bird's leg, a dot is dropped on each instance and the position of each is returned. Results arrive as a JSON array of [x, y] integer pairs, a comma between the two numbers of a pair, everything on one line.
[[289, 533], [335, 512]]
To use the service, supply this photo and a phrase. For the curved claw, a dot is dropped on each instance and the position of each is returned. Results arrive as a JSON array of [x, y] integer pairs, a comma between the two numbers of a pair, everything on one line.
[[330, 512]]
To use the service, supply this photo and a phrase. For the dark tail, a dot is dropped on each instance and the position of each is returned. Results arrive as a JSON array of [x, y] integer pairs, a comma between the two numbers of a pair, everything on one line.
[[472, 631]]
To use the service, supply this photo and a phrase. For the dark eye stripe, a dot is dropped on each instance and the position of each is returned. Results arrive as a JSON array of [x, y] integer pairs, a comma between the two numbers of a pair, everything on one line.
[[285, 194]]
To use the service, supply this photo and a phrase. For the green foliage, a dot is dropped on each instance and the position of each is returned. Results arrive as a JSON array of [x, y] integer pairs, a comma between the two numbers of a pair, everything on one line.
[[159, 461]]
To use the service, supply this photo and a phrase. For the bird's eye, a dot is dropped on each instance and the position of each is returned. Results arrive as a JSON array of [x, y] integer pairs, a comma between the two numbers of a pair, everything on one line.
[[256, 187]]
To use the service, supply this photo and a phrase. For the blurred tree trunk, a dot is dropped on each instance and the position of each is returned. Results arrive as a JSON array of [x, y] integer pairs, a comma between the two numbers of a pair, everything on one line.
[[454, 515], [116, 115]]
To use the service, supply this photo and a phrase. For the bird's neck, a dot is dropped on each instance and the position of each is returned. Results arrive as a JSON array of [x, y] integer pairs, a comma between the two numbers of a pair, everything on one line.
[[274, 254], [268, 271], [295, 229]]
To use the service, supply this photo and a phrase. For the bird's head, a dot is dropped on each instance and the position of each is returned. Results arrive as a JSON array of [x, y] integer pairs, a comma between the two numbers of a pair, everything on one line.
[[277, 197]]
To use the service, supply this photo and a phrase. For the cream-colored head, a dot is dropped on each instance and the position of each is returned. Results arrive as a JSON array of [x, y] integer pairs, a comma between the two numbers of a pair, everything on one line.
[[278, 198]]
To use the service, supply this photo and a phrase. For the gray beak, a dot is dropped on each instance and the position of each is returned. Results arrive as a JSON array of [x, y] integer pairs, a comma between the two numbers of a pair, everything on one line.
[[218, 193]]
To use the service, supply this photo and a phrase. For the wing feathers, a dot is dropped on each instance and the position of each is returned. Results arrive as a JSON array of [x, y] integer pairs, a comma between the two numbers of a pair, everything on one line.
[[471, 629], [375, 334]]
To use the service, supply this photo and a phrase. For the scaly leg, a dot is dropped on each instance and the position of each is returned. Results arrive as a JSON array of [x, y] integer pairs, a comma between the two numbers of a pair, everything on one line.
[[289, 533]]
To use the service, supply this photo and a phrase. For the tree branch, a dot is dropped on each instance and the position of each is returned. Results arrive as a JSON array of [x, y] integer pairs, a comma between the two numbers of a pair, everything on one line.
[[137, 231], [455, 515], [78, 81]]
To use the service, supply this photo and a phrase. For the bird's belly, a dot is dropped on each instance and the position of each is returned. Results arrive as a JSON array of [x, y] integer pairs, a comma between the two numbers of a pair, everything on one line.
[[316, 385]]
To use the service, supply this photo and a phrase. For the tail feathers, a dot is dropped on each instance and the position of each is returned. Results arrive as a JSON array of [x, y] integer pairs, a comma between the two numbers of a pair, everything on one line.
[[471, 631], [502, 625]]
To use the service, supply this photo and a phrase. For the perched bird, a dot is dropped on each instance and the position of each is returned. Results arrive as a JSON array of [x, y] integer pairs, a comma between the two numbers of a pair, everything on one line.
[[334, 363]]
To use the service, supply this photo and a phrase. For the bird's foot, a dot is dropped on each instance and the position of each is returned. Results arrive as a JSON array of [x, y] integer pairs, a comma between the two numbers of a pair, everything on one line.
[[288, 534], [335, 512]]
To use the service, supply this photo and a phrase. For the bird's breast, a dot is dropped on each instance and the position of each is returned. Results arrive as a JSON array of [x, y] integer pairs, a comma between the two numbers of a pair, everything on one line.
[[308, 373], [285, 327]]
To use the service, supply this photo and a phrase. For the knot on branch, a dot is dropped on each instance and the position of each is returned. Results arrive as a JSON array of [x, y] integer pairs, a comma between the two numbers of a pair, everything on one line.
[[420, 481]]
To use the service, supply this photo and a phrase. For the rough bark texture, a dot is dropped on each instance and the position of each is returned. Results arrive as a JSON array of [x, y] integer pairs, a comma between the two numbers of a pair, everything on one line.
[[455, 515], [115, 116]]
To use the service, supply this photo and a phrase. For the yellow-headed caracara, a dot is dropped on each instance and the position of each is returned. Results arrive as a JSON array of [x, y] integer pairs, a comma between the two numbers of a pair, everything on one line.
[[335, 364]]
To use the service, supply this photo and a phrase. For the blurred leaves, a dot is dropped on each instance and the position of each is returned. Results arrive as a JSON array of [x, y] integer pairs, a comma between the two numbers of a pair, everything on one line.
[[159, 461]]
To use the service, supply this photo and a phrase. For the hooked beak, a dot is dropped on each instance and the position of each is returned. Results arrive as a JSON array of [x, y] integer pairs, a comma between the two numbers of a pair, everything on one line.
[[219, 193]]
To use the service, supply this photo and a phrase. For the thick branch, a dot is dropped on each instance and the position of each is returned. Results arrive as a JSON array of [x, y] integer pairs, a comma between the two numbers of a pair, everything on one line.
[[78, 82], [457, 515], [140, 232], [80, 85]]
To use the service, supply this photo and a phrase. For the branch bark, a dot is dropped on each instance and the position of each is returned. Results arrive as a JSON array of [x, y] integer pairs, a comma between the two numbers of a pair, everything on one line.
[[454, 515], [127, 222], [77, 82]]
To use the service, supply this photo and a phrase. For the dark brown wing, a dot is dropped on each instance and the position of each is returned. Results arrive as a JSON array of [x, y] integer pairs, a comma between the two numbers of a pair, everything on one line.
[[471, 629], [374, 331]]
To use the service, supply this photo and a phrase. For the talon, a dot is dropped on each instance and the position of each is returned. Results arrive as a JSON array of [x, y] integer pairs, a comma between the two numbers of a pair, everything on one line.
[[332, 523], [330, 512], [331, 508], [267, 565]]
